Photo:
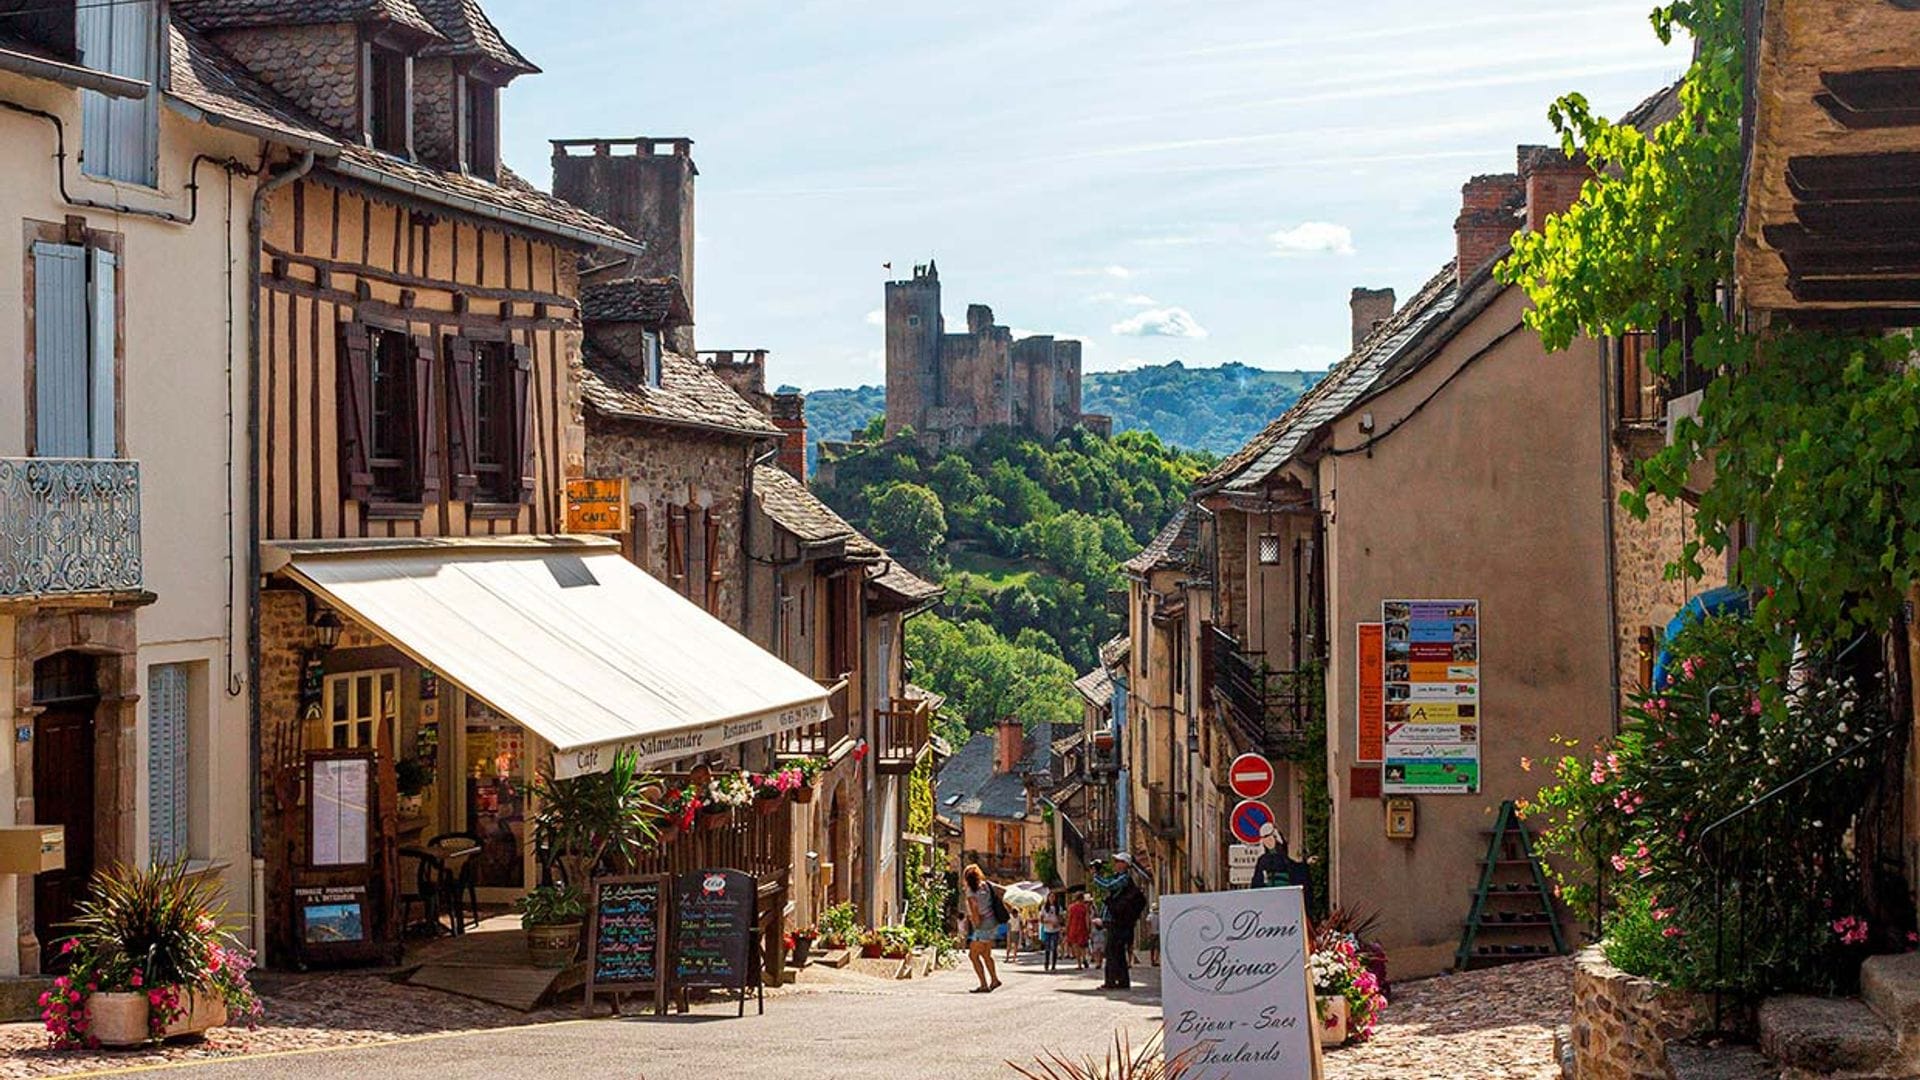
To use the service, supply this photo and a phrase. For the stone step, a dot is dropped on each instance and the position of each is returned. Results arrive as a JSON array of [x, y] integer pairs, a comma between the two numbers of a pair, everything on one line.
[[1891, 986], [1688, 1061], [1829, 1036]]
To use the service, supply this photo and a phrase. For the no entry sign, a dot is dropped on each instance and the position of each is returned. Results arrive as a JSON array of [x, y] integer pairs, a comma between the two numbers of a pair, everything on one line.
[[1251, 776], [1248, 817]]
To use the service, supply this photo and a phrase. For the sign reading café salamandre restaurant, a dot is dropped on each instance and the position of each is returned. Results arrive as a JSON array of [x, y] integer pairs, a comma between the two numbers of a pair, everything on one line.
[[1234, 987]]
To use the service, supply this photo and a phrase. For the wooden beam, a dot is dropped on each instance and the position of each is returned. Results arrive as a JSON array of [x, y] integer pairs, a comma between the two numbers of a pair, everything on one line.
[[1865, 120], [1875, 90], [1866, 215], [1855, 290], [1793, 236], [1856, 176], [1828, 262]]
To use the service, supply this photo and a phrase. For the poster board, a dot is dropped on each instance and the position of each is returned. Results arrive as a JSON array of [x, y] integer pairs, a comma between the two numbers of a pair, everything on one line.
[[716, 932], [339, 808], [1234, 987], [627, 931], [1371, 670], [1432, 697]]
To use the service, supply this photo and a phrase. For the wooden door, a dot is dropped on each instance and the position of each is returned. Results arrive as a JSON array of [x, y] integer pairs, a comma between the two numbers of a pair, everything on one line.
[[63, 795]]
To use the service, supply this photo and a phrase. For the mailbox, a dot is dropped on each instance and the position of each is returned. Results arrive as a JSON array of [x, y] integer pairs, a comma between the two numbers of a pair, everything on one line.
[[32, 849]]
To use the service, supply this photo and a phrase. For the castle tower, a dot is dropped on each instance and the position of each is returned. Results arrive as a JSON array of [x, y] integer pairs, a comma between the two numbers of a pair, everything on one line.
[[645, 186], [913, 348]]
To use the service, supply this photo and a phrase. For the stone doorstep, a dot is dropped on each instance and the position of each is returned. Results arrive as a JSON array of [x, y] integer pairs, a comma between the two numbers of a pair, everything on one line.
[[1890, 985], [1829, 1036], [1690, 1061], [20, 997]]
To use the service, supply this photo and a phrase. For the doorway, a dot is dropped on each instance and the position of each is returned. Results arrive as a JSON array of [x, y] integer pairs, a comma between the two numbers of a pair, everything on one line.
[[67, 694]]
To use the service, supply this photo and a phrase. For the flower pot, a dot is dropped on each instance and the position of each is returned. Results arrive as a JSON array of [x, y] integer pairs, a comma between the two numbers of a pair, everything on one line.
[[410, 806], [553, 945], [118, 1019], [870, 951], [200, 1012], [715, 820], [803, 793], [1333, 1019], [768, 805], [802, 948]]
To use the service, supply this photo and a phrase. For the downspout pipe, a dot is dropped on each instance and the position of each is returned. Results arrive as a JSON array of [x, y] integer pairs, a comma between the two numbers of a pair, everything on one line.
[[1609, 410], [746, 547], [256, 230]]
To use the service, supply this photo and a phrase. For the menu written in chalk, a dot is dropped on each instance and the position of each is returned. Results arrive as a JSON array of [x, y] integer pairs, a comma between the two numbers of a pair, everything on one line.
[[626, 932], [713, 929]]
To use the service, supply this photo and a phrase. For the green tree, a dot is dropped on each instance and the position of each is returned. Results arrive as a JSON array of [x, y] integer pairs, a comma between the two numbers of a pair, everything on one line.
[[908, 520]]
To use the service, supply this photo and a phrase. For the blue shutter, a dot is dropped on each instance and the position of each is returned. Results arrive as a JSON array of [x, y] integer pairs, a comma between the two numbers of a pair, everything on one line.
[[93, 33], [167, 762], [60, 378], [101, 348], [118, 134]]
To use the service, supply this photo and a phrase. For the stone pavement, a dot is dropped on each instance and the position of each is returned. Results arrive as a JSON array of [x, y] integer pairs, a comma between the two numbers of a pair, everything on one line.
[[1494, 1024]]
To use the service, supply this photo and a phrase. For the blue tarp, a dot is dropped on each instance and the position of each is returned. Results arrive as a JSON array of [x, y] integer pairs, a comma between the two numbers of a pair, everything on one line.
[[1726, 600]]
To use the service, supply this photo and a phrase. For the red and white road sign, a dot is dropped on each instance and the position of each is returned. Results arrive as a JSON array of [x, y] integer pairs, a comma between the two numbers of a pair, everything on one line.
[[1247, 819], [1251, 776]]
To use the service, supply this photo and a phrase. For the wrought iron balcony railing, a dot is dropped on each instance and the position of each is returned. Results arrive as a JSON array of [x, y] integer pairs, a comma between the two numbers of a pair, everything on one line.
[[1268, 707], [69, 526]]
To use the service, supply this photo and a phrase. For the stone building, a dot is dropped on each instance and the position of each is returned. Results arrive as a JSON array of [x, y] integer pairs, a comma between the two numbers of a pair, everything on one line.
[[949, 388]]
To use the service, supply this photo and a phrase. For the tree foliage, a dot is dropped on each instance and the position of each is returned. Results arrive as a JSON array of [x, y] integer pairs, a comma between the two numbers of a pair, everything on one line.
[[910, 522], [1812, 436], [985, 677]]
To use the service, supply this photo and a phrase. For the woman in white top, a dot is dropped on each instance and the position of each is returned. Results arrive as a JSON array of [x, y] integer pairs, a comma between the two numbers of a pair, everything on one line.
[[981, 928]]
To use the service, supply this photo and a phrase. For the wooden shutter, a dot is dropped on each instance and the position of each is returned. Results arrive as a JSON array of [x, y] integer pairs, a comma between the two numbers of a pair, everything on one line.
[[167, 762], [463, 428], [356, 409], [712, 561], [102, 345], [426, 419], [637, 550], [60, 417], [677, 546], [523, 409]]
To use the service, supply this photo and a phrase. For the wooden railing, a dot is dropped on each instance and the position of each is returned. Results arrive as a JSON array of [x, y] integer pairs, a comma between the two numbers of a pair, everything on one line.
[[818, 740], [1001, 868], [901, 734]]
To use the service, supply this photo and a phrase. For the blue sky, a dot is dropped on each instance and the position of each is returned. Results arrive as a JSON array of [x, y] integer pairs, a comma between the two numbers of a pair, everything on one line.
[[1163, 179]]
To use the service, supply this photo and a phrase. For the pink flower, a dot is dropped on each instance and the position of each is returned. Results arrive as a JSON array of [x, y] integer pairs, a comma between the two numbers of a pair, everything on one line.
[[1713, 718], [135, 981], [1620, 863], [1641, 853], [67, 946], [1689, 666], [1753, 705], [1670, 932]]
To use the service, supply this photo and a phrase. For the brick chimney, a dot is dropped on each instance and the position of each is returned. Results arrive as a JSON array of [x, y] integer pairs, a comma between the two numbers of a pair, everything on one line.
[[643, 185], [1370, 307], [1553, 182], [1491, 209], [1009, 745], [790, 416]]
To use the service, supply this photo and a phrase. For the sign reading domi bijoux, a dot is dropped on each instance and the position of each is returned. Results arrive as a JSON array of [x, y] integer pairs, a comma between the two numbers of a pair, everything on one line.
[[1234, 985]]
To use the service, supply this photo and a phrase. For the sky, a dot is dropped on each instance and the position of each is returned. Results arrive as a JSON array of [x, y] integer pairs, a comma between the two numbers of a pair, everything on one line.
[[1163, 179]]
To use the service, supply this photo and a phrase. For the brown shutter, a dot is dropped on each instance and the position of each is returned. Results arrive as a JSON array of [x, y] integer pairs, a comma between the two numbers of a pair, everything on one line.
[[712, 562], [463, 430], [638, 551], [523, 410], [426, 419], [677, 546], [356, 409]]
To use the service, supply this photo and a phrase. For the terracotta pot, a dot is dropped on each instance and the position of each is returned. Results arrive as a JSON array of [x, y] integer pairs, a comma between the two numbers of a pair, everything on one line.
[[714, 820], [870, 951], [803, 793], [118, 1019], [1333, 1019], [767, 804], [201, 1012], [553, 945]]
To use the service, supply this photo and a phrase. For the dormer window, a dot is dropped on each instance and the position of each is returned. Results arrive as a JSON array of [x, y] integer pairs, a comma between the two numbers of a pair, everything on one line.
[[480, 129], [387, 99], [119, 136], [650, 356]]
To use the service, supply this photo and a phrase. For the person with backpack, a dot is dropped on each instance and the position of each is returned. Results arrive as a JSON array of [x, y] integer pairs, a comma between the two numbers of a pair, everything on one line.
[[1125, 904], [986, 913]]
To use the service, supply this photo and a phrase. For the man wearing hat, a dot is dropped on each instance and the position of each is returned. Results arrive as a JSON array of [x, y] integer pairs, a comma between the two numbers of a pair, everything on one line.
[[1276, 869], [1125, 904]]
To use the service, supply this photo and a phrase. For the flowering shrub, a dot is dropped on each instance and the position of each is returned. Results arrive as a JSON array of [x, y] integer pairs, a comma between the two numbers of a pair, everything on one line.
[[1339, 967], [1725, 804], [731, 790], [775, 784]]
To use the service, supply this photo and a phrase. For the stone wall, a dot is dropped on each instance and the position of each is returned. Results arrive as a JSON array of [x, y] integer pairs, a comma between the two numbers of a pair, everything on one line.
[[1623, 1023], [318, 67], [1643, 595]]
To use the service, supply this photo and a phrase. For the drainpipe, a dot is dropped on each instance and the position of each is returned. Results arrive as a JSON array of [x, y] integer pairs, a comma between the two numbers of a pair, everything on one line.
[[1607, 413], [256, 229], [746, 547]]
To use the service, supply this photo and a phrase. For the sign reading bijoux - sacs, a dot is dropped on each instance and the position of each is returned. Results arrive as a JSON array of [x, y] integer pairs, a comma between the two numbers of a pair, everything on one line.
[[1233, 985]]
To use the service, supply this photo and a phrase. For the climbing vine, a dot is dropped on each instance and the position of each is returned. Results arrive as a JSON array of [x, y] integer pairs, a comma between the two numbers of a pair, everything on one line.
[[1814, 437]]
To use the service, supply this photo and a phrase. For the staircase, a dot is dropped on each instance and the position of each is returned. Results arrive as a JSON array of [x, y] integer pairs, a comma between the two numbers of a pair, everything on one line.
[[1873, 1037]]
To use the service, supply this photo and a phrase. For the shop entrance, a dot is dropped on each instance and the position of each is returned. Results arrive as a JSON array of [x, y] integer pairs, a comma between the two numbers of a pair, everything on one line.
[[65, 690]]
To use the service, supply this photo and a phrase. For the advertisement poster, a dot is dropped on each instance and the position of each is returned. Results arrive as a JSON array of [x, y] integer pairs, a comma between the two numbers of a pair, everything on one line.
[[1233, 986], [1430, 697], [1370, 747]]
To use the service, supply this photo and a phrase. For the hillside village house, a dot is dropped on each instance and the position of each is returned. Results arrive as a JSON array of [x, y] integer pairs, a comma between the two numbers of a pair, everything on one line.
[[991, 794]]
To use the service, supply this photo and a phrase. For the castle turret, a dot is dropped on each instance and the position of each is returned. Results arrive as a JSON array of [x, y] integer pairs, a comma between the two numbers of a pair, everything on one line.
[[913, 348], [645, 186]]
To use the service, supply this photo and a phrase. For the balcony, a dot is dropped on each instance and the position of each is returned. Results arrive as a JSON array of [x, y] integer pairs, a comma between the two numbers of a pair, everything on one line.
[[69, 527], [823, 738], [1267, 708], [900, 735]]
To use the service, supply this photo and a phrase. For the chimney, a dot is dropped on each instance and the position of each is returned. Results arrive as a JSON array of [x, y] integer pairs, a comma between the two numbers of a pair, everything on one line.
[[790, 416], [1490, 213], [645, 186], [1370, 308], [1553, 182], [1009, 745]]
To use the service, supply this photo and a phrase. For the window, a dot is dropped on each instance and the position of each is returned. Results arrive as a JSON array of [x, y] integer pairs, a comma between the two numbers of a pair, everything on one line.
[[392, 451], [693, 535], [357, 703], [75, 346], [489, 440], [480, 130], [390, 446], [171, 701], [387, 100], [118, 136], [650, 356]]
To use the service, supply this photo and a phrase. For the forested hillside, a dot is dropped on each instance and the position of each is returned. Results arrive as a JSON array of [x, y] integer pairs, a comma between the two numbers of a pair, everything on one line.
[[1027, 536]]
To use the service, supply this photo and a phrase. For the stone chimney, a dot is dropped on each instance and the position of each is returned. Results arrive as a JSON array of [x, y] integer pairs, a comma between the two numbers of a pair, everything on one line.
[[1491, 209], [645, 186], [790, 416], [1553, 182], [1370, 308], [1009, 745]]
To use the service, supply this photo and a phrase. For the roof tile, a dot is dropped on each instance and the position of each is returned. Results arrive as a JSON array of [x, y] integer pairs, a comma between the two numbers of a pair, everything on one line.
[[689, 394], [228, 14], [1171, 547], [468, 32]]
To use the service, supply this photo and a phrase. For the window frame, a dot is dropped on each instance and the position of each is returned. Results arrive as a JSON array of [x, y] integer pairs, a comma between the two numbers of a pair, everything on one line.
[[382, 710], [479, 127], [402, 467], [177, 835], [74, 232], [386, 98], [359, 339]]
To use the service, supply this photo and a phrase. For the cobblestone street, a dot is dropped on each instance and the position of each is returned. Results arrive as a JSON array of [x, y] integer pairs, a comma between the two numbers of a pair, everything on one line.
[[1493, 1025]]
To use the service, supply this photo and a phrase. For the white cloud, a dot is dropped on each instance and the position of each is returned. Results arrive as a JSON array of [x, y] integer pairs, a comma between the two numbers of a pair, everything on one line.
[[876, 317], [1174, 322], [1313, 238], [1128, 299], [1120, 272]]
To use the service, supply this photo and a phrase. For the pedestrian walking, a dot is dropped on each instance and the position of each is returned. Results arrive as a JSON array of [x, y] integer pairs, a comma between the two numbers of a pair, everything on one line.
[[1052, 922], [1015, 927], [1125, 904], [1079, 929], [983, 922]]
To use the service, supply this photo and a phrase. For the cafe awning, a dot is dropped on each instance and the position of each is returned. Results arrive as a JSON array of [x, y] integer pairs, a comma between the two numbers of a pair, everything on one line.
[[565, 636]]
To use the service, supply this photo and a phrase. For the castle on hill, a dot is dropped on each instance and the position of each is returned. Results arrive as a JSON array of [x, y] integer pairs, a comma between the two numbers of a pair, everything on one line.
[[951, 388]]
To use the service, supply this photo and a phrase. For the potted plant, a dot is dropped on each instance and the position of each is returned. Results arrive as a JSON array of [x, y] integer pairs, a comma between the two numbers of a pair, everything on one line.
[[552, 916], [800, 945], [1346, 995], [840, 926], [870, 945], [411, 778], [895, 942], [810, 771], [148, 960]]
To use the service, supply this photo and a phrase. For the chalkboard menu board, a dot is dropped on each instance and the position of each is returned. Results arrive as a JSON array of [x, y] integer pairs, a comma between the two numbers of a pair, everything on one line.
[[714, 929], [625, 936]]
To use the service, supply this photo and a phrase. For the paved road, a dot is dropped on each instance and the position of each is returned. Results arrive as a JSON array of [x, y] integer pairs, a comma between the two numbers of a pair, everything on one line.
[[930, 1028]]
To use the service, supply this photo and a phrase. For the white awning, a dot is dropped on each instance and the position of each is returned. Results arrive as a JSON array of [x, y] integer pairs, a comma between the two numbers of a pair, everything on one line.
[[565, 636]]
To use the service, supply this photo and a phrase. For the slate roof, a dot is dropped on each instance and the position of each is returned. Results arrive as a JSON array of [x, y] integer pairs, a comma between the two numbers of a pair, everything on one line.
[[1096, 686], [510, 193], [228, 14], [792, 507], [654, 302], [1247, 468], [689, 394], [906, 584], [468, 32], [1169, 548], [1113, 654], [967, 783], [211, 81]]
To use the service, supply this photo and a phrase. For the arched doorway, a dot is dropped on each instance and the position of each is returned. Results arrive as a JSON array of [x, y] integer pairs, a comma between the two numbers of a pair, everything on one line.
[[67, 693]]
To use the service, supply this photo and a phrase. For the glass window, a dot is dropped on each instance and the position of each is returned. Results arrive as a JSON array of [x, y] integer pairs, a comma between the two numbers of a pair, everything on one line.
[[388, 108], [357, 703], [393, 460], [496, 435]]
